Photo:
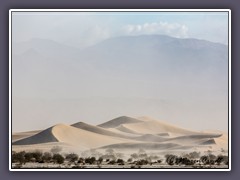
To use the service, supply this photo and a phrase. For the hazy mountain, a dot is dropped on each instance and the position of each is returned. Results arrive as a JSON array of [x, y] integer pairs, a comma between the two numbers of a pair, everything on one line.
[[45, 47], [191, 75]]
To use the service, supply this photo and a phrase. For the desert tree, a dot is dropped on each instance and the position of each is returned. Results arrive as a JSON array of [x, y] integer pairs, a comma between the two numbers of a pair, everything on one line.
[[142, 162], [205, 159], [72, 157], [90, 160], [81, 160], [171, 159], [129, 160], [47, 157], [29, 157], [19, 157], [112, 162], [219, 159], [37, 155], [58, 158], [100, 160], [120, 161]]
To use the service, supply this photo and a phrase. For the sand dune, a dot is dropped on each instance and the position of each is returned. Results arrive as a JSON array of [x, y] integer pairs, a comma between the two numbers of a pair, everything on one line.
[[45, 136], [22, 135], [152, 126], [119, 121], [122, 128], [122, 133], [99, 130], [146, 146], [70, 135]]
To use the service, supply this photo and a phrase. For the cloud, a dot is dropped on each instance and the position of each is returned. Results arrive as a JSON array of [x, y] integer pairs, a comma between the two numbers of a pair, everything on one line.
[[171, 29]]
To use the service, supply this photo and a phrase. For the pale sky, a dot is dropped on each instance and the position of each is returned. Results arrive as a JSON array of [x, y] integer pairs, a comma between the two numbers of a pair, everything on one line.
[[82, 29], [60, 91]]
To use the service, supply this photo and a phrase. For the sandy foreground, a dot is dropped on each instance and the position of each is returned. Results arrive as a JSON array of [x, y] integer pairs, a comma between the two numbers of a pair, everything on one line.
[[125, 136]]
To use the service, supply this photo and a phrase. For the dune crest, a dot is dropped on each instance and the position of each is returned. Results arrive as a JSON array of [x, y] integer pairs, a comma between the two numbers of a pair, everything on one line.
[[125, 133], [119, 121]]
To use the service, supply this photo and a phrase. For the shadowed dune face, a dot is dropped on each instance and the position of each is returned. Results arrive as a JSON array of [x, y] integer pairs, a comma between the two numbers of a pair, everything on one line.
[[45, 136], [99, 130], [124, 133], [22, 135]]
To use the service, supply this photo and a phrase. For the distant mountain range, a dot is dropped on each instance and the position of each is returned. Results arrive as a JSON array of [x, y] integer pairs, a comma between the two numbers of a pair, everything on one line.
[[147, 57], [164, 74]]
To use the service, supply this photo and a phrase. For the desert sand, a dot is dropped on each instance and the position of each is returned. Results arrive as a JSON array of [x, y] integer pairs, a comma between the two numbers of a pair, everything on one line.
[[121, 134]]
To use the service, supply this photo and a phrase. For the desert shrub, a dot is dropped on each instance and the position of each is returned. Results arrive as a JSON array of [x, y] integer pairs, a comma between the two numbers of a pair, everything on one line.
[[112, 162], [187, 161], [120, 161], [184, 160], [159, 161], [193, 155], [29, 157], [209, 159], [56, 149], [72, 157], [100, 160], [90, 160], [19, 157], [142, 162], [130, 160], [219, 159], [205, 159], [47, 157], [212, 157], [58, 158], [225, 161], [170, 159], [81, 160], [37, 155]]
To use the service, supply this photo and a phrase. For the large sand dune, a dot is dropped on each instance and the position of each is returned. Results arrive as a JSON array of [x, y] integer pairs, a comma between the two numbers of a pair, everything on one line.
[[70, 135], [152, 126], [99, 130], [122, 133]]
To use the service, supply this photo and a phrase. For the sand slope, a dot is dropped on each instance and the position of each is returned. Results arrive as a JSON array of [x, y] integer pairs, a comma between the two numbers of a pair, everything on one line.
[[70, 135], [22, 135], [99, 130], [119, 121], [152, 126], [122, 133]]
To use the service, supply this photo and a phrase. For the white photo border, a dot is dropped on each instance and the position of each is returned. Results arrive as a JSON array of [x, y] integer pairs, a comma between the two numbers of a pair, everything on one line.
[[120, 10]]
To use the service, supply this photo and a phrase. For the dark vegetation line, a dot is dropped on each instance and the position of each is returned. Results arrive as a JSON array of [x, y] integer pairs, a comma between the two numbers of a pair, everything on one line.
[[136, 160]]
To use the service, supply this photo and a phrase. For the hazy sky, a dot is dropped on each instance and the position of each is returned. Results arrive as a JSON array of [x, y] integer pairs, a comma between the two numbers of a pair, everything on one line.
[[82, 29], [51, 93]]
